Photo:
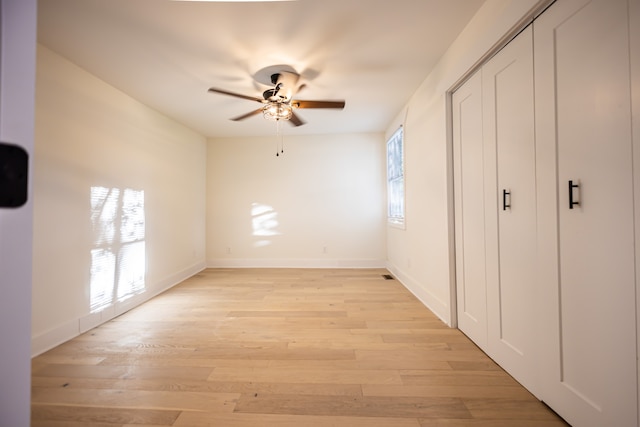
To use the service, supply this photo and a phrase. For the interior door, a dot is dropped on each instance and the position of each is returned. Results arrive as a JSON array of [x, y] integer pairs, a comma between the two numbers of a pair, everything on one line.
[[586, 250], [469, 210], [508, 116]]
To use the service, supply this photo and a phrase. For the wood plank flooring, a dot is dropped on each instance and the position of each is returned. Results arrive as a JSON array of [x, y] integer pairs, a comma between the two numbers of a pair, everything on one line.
[[278, 347]]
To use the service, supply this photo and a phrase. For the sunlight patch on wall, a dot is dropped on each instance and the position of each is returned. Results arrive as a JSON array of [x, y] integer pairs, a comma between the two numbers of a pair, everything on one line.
[[118, 257], [264, 221]]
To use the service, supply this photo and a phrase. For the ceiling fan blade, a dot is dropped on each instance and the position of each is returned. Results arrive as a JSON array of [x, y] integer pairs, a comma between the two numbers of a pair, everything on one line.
[[247, 115], [296, 120], [318, 104], [237, 95]]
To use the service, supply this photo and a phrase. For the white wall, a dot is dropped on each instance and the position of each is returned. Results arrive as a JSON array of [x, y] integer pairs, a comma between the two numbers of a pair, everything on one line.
[[421, 255], [320, 204], [17, 77], [89, 134]]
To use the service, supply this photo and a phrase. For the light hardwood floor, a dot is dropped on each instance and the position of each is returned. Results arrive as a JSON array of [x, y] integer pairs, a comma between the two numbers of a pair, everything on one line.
[[278, 347]]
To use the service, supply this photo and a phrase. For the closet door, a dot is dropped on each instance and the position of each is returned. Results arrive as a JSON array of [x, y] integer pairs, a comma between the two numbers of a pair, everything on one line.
[[469, 210], [508, 115], [586, 250]]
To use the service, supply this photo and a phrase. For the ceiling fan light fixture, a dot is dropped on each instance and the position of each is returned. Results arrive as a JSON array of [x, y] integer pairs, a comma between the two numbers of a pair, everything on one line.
[[277, 111]]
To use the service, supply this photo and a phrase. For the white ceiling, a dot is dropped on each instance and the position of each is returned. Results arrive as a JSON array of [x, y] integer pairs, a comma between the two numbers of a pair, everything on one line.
[[372, 53]]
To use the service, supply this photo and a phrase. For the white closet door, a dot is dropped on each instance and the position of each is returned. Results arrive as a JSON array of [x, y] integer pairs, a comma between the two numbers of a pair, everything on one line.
[[469, 210], [508, 113], [583, 122]]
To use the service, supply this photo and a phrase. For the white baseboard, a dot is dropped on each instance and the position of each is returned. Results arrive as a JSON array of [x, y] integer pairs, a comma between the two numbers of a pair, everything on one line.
[[436, 305], [294, 263], [71, 329], [54, 337]]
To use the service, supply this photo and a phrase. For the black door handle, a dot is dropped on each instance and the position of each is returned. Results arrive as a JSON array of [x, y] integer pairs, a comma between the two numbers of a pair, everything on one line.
[[572, 202], [506, 193]]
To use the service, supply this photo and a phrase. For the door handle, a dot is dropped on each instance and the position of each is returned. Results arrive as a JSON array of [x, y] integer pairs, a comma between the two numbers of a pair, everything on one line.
[[506, 193], [572, 202]]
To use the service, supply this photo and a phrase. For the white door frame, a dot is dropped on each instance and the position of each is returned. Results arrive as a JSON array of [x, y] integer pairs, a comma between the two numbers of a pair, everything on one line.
[[17, 111]]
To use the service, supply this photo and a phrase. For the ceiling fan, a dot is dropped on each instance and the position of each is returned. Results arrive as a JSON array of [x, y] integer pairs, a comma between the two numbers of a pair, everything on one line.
[[278, 103]]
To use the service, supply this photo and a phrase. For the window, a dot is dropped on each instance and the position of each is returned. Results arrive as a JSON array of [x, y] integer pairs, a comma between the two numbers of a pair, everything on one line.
[[395, 178]]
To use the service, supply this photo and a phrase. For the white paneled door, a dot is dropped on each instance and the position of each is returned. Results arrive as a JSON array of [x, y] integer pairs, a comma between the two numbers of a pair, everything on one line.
[[510, 201], [469, 210], [494, 173], [585, 212]]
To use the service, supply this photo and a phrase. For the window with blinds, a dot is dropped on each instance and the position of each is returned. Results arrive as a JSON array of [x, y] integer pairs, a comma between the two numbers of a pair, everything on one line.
[[395, 178]]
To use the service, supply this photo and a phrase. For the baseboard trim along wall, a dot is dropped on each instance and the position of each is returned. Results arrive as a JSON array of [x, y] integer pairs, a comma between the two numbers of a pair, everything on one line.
[[294, 263], [71, 329], [436, 305]]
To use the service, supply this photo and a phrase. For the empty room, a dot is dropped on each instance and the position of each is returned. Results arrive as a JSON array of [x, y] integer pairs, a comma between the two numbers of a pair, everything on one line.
[[323, 213]]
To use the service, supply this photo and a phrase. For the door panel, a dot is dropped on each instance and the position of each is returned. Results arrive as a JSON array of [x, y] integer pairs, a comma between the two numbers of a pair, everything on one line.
[[469, 210], [587, 271], [511, 208]]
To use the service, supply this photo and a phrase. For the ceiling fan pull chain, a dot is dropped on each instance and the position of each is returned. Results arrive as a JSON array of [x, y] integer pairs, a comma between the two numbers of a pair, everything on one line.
[[277, 137]]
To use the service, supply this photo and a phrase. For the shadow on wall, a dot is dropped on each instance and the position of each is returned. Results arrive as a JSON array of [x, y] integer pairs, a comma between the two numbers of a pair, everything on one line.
[[118, 258]]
